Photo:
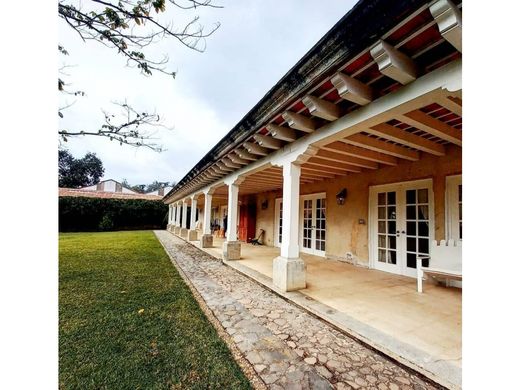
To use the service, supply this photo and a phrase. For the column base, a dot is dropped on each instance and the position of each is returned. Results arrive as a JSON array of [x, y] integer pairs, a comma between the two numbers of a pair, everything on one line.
[[289, 274], [231, 250], [184, 233], [176, 230], [206, 241], [192, 235]]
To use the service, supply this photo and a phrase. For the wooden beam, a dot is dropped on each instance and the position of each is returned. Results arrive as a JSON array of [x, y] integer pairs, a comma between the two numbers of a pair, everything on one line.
[[282, 133], [316, 175], [352, 90], [325, 163], [393, 63], [268, 142], [367, 142], [359, 162], [255, 149], [454, 104], [391, 133], [236, 159], [433, 126], [223, 167], [227, 162], [244, 154], [321, 108], [321, 168], [449, 20], [299, 121], [355, 151]]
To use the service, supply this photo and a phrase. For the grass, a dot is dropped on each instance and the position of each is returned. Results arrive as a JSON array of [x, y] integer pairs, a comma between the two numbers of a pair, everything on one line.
[[128, 321]]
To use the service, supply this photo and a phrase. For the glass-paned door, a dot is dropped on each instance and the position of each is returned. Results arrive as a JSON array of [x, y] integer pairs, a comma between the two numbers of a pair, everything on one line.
[[401, 225], [278, 222], [313, 224]]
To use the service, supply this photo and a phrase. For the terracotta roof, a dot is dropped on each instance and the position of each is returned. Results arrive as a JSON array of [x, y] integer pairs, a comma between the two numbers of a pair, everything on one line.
[[104, 194]]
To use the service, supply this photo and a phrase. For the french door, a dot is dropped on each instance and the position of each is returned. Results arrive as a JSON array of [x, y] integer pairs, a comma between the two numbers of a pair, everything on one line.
[[278, 222], [402, 225], [313, 224]]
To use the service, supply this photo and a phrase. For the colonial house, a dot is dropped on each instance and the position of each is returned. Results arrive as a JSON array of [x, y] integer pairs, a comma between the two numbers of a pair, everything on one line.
[[349, 172], [107, 189]]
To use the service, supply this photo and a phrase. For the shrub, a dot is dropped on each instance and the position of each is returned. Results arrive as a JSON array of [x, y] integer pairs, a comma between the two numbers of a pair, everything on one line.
[[78, 214]]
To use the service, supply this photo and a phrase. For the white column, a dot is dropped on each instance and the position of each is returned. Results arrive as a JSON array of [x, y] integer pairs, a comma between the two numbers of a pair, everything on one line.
[[232, 212], [207, 213], [176, 215], [184, 214], [169, 213], [193, 212], [290, 248]]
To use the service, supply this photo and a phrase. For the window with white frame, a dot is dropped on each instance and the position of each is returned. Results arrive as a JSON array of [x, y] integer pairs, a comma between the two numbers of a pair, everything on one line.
[[454, 207]]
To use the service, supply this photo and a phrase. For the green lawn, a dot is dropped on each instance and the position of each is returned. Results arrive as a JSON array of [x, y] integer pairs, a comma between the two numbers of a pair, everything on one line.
[[128, 321]]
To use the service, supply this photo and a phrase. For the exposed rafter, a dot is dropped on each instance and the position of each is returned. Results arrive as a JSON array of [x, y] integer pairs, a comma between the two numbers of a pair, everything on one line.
[[255, 149], [244, 154], [282, 133], [433, 126], [367, 142], [321, 108], [352, 90], [227, 162], [237, 159], [393, 63], [338, 157], [299, 121], [223, 167], [449, 20], [356, 151], [452, 103], [326, 163], [268, 141], [392, 133]]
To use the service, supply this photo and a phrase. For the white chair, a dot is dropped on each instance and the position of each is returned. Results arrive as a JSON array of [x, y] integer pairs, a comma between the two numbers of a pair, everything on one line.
[[445, 262]]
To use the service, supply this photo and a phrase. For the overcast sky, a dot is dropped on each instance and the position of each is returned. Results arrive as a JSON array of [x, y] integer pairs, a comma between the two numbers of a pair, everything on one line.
[[257, 43]]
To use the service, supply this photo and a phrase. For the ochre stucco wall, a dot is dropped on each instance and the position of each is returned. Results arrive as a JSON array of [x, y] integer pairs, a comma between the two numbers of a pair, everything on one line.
[[344, 233]]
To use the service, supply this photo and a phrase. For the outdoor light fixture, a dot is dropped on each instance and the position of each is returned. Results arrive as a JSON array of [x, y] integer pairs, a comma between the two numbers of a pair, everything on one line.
[[341, 196], [264, 204]]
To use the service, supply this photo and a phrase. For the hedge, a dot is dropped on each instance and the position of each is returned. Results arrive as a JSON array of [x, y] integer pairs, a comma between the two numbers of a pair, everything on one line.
[[82, 214]]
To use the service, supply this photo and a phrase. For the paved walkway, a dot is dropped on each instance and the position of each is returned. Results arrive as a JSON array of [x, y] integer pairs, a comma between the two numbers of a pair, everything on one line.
[[288, 348]]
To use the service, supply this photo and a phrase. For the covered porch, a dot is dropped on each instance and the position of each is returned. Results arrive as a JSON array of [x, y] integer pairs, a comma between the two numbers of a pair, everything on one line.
[[384, 310]]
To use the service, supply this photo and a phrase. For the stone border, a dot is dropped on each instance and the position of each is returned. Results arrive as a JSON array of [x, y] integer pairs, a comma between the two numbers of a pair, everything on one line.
[[246, 367]]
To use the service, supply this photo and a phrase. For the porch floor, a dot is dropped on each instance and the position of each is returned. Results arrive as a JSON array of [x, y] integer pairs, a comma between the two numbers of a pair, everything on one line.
[[424, 327]]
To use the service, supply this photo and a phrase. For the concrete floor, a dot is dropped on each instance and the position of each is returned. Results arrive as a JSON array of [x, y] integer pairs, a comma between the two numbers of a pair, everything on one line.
[[430, 322]]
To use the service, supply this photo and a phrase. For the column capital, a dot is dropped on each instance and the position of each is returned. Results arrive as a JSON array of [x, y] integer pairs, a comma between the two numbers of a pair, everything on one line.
[[234, 180], [297, 156]]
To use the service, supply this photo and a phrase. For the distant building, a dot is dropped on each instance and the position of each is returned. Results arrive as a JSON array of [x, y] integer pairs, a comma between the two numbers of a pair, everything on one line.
[[108, 189], [161, 191]]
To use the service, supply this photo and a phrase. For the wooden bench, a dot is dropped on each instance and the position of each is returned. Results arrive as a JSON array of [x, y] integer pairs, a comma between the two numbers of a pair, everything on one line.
[[445, 262]]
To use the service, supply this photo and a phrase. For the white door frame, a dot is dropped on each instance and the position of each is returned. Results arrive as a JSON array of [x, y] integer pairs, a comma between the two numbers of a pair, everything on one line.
[[372, 218], [313, 250]]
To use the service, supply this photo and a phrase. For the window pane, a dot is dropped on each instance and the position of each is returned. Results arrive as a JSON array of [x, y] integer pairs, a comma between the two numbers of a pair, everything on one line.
[[381, 198], [410, 212], [410, 196], [391, 212], [391, 227], [423, 245], [381, 213], [423, 229], [422, 195], [392, 257], [391, 242], [411, 244], [411, 228], [381, 255], [391, 198], [381, 227], [381, 241], [411, 260], [460, 193], [423, 212]]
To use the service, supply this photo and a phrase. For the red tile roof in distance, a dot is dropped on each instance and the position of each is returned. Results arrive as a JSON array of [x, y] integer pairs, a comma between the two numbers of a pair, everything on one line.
[[105, 195]]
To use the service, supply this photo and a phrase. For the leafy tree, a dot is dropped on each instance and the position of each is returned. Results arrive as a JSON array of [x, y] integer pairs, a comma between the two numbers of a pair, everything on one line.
[[128, 27], [145, 188], [75, 173]]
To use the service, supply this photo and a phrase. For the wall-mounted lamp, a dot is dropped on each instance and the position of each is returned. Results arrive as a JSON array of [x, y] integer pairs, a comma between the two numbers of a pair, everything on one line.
[[341, 196], [264, 204]]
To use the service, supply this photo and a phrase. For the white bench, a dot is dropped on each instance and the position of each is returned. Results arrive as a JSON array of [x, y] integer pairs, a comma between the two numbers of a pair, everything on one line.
[[445, 262]]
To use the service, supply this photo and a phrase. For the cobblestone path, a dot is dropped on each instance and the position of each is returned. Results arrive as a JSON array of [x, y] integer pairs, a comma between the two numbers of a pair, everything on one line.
[[288, 348]]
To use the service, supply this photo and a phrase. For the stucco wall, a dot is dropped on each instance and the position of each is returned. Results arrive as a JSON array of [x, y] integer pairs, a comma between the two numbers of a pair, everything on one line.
[[344, 233]]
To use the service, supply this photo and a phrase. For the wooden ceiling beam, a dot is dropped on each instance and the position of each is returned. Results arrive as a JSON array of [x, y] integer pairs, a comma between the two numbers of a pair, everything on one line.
[[223, 167], [333, 156], [268, 141], [394, 63], [255, 149], [227, 162], [355, 151], [449, 20], [454, 104], [321, 168], [352, 89], [299, 121], [282, 133], [326, 163], [391, 133], [322, 108], [244, 154], [237, 159], [433, 126], [374, 144]]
